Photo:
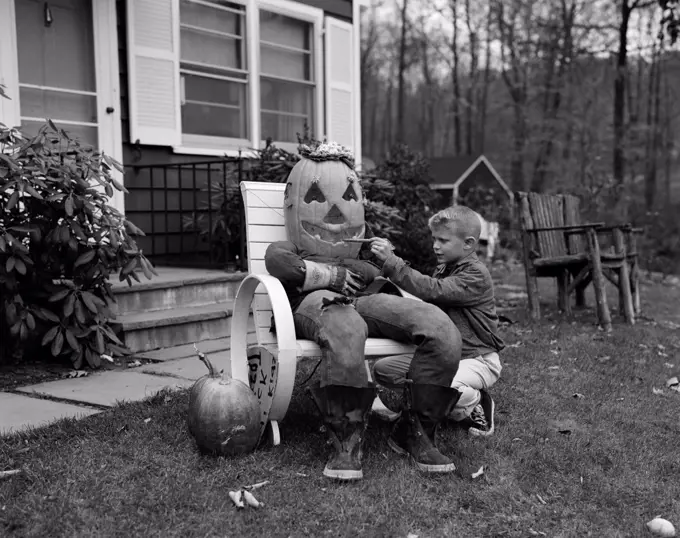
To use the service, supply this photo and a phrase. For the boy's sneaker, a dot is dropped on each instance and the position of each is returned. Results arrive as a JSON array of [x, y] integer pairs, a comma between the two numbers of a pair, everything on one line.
[[481, 419]]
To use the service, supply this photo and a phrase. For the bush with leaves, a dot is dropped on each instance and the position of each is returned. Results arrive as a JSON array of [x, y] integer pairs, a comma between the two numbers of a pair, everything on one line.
[[59, 243], [401, 202]]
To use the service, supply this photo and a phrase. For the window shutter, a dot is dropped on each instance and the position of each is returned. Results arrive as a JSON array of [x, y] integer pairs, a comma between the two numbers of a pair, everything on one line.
[[340, 82], [9, 68], [153, 71]]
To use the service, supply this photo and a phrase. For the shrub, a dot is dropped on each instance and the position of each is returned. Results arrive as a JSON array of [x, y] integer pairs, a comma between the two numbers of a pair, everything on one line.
[[401, 202], [59, 243]]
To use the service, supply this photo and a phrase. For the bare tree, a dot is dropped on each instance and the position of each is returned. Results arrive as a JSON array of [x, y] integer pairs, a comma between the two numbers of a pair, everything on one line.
[[402, 71]]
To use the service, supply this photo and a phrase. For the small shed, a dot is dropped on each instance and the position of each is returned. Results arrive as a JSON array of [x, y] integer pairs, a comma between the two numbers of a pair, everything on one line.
[[453, 177]]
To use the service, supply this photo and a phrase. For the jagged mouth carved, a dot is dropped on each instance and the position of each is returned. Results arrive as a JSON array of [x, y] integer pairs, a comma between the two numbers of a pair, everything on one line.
[[333, 233]]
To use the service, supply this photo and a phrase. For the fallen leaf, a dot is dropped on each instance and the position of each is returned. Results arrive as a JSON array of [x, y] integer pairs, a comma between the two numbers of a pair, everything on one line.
[[7, 474], [479, 472], [516, 344], [554, 352], [517, 439], [134, 363], [147, 420], [658, 392], [553, 367], [676, 388], [107, 357], [669, 365], [553, 342], [75, 373], [541, 499], [122, 428], [604, 359], [577, 395], [411, 535], [672, 381]]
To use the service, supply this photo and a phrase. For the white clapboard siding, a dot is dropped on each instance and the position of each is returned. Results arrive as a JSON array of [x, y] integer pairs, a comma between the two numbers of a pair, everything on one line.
[[340, 73], [153, 71], [264, 211], [9, 66]]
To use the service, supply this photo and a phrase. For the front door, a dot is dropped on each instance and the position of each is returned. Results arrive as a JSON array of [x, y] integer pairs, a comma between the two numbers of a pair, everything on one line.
[[68, 70]]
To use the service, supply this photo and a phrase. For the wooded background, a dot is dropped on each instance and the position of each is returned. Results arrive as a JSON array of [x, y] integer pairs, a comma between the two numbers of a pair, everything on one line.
[[561, 95]]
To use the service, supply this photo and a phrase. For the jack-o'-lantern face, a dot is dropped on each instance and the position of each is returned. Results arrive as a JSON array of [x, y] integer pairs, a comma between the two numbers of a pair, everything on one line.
[[324, 205]]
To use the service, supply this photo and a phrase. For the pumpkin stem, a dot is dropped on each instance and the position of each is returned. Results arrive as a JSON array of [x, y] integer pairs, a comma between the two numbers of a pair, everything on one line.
[[212, 372]]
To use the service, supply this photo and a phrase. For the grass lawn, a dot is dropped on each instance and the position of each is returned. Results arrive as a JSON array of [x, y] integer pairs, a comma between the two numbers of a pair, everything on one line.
[[600, 464]]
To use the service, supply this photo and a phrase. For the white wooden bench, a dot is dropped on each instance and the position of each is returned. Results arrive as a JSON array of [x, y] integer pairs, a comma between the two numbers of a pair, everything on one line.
[[266, 360]]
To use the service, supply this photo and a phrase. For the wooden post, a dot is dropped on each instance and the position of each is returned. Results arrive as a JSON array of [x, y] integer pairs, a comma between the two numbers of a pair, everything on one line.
[[634, 270], [625, 296], [525, 222], [563, 292], [603, 313]]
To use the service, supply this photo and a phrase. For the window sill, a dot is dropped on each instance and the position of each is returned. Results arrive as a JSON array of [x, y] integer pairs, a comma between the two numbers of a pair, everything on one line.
[[214, 152]]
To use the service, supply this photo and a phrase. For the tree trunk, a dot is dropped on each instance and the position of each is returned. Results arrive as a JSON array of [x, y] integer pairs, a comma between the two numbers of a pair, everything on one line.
[[620, 94], [485, 89], [472, 83], [456, 82], [402, 69], [653, 129]]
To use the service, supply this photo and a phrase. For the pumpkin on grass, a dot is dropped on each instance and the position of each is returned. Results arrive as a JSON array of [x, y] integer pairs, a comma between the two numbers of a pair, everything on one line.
[[224, 414]]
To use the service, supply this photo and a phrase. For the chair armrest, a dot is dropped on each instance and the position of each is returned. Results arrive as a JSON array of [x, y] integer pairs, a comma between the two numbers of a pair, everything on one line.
[[573, 228], [283, 318]]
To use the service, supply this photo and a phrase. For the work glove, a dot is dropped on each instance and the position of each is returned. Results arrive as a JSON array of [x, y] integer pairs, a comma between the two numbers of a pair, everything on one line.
[[320, 276]]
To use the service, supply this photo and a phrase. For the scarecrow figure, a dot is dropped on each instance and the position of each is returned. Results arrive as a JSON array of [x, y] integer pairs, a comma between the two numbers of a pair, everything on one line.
[[325, 278]]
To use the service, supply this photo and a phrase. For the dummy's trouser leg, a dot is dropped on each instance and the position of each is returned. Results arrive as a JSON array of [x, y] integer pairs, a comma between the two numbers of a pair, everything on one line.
[[345, 414]]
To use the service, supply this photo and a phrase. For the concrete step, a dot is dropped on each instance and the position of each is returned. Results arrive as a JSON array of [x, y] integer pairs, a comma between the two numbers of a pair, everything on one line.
[[178, 288], [145, 331]]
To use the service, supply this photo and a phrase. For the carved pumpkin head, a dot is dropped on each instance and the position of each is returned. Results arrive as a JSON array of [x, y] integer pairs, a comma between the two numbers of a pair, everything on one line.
[[324, 203]]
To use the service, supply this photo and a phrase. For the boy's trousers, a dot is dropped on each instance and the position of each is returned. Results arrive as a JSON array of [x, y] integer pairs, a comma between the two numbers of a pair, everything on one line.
[[474, 374]]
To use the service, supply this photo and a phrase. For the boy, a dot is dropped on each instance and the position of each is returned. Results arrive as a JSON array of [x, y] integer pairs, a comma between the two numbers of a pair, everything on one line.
[[463, 288]]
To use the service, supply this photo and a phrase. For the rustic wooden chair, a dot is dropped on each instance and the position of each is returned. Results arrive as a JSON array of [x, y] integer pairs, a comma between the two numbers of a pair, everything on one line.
[[557, 244], [264, 359]]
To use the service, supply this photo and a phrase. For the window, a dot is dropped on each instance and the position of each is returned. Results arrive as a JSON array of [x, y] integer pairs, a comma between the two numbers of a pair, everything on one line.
[[213, 71], [287, 77]]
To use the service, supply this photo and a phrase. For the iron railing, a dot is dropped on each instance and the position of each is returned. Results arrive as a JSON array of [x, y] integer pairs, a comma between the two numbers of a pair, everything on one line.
[[191, 212]]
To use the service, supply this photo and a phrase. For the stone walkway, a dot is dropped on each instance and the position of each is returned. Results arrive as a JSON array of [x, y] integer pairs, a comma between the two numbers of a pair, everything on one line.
[[38, 405]]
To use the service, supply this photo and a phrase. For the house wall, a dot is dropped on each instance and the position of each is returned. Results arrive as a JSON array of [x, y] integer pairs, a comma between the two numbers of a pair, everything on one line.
[[161, 199]]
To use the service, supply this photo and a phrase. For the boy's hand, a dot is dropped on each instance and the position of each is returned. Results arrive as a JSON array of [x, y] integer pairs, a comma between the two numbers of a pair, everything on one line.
[[381, 248]]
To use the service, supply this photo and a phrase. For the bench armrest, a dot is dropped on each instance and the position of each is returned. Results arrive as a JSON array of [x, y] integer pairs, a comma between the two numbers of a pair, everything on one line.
[[283, 318], [572, 228]]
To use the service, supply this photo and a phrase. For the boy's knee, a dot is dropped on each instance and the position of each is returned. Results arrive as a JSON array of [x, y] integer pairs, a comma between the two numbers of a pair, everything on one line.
[[391, 371]]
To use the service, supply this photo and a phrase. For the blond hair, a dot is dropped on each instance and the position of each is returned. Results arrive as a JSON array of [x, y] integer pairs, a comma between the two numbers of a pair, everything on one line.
[[460, 219]]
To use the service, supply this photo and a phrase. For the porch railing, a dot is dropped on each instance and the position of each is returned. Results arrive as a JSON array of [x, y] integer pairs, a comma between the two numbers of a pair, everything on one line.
[[191, 213]]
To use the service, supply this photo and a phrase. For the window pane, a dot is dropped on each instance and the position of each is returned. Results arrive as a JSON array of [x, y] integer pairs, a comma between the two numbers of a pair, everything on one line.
[[214, 107], [286, 106], [86, 135], [58, 105], [283, 30], [210, 18], [284, 63], [210, 49], [60, 55]]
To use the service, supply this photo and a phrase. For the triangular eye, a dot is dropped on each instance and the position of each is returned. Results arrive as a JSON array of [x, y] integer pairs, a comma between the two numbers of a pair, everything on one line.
[[314, 194], [350, 194], [287, 191]]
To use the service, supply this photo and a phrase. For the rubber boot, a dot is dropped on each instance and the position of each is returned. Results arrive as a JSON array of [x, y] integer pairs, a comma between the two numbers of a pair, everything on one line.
[[345, 413], [413, 435]]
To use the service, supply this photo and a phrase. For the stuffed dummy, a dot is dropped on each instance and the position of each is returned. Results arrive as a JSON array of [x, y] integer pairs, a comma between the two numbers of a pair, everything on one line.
[[327, 277]]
